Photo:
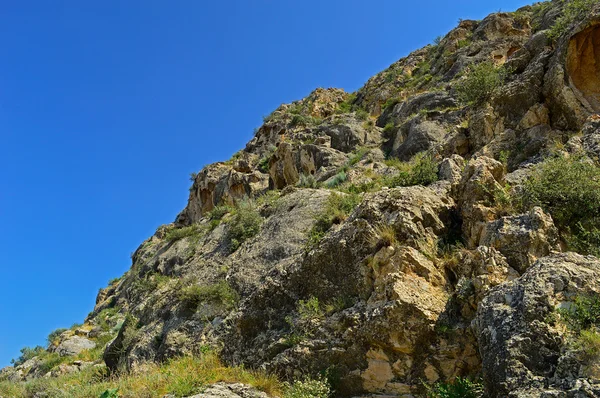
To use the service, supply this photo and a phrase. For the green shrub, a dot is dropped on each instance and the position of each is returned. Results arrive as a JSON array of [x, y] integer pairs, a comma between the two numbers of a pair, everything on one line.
[[244, 224], [390, 102], [307, 181], [357, 156], [346, 105], [27, 353], [263, 163], [584, 313], [362, 114], [148, 283], [300, 120], [219, 293], [54, 335], [190, 296], [110, 393], [389, 127], [310, 309], [114, 281], [588, 344], [569, 189], [307, 389], [176, 234], [422, 69], [458, 388], [573, 11], [218, 212], [420, 170], [363, 187], [582, 318], [336, 210], [481, 82], [337, 179]]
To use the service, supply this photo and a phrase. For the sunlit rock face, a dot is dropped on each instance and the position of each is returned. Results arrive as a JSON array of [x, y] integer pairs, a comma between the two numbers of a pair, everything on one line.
[[583, 65]]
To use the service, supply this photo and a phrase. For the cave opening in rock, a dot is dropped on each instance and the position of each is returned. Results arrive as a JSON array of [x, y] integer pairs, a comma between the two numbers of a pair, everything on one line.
[[583, 64]]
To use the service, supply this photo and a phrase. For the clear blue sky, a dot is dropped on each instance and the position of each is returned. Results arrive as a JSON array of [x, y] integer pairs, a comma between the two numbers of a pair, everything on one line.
[[107, 106]]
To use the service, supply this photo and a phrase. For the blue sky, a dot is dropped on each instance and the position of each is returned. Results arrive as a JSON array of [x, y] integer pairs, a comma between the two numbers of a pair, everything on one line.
[[107, 106]]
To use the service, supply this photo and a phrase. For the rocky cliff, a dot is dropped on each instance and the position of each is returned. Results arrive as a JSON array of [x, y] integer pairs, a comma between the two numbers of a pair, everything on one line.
[[392, 238]]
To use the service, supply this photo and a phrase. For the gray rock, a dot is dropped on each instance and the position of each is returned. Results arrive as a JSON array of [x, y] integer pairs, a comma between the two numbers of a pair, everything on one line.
[[74, 345], [417, 136], [523, 238], [522, 354], [224, 390]]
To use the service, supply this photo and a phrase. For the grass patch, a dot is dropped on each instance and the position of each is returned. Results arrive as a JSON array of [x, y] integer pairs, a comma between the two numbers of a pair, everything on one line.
[[386, 236], [458, 388], [337, 209], [420, 170], [582, 318], [183, 376], [337, 180], [307, 181], [175, 234], [244, 224], [310, 309], [361, 114], [346, 105], [219, 293]]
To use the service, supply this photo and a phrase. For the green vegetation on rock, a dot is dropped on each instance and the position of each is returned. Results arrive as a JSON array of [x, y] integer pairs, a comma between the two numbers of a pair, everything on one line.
[[244, 224], [420, 170], [480, 83], [337, 209], [573, 11], [569, 189], [458, 388]]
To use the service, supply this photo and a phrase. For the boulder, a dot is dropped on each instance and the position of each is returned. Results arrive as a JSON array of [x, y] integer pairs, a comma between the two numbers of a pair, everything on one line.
[[74, 345], [523, 354], [522, 239], [225, 390]]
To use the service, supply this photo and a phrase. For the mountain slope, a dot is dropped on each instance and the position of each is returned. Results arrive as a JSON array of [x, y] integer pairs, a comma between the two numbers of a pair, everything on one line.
[[436, 225]]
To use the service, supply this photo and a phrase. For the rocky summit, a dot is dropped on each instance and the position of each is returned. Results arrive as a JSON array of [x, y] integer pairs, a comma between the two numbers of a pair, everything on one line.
[[433, 234]]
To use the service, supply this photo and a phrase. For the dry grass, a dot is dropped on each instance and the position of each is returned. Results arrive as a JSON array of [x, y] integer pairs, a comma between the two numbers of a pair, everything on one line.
[[386, 236], [181, 377]]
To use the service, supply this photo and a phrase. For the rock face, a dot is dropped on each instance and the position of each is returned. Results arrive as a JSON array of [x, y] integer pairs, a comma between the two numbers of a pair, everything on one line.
[[524, 356], [74, 345], [373, 236]]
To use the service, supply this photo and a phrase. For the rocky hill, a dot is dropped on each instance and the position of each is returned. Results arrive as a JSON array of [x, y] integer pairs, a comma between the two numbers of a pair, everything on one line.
[[432, 232]]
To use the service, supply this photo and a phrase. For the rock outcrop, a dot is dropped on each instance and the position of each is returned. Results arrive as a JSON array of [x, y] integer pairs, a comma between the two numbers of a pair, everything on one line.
[[523, 354], [378, 237]]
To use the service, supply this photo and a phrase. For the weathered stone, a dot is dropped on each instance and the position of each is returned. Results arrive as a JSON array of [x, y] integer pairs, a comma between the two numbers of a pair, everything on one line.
[[521, 352], [74, 345], [522, 239], [225, 390]]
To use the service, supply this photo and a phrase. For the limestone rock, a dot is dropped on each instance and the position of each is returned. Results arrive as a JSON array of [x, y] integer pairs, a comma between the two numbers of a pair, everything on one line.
[[481, 178], [523, 356], [220, 184], [224, 390], [74, 345], [523, 238]]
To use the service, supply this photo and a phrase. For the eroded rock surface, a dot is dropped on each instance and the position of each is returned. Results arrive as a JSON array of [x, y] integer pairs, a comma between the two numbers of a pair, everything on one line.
[[523, 355], [306, 253]]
